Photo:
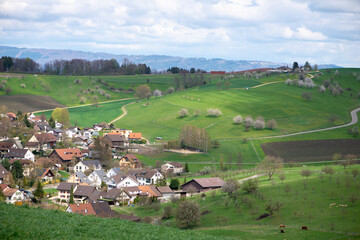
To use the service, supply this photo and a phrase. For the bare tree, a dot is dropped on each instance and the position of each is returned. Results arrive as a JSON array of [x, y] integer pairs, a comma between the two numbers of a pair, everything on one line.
[[282, 177], [157, 93], [248, 123], [230, 187], [271, 124], [355, 172], [306, 173], [307, 95], [332, 118], [259, 123], [270, 165]]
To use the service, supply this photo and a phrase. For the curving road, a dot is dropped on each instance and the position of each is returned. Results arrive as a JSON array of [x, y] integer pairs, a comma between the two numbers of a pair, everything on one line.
[[354, 120], [122, 115]]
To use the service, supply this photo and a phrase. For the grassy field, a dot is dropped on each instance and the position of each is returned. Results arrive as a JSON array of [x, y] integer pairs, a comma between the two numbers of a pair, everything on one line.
[[86, 116], [307, 203], [284, 103], [37, 223]]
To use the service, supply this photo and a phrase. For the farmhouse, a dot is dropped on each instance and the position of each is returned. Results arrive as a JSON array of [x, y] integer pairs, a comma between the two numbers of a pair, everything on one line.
[[114, 171], [166, 192], [87, 165], [117, 140], [20, 154], [42, 141], [84, 194], [172, 167], [129, 161], [64, 190], [150, 190], [124, 132], [202, 184], [65, 155]]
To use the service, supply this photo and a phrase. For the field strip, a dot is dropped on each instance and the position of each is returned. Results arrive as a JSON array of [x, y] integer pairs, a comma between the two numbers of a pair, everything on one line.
[[354, 120], [117, 100], [122, 115]]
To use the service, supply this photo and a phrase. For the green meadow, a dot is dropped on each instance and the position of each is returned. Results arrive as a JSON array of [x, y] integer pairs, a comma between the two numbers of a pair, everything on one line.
[[305, 203]]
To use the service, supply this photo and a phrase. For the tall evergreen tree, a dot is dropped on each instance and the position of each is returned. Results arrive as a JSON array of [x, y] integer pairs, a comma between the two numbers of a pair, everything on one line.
[[295, 66], [186, 168], [17, 170], [71, 200], [39, 191]]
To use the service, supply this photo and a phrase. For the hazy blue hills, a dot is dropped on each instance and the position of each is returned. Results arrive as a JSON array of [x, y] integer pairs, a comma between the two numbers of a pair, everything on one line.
[[158, 62]]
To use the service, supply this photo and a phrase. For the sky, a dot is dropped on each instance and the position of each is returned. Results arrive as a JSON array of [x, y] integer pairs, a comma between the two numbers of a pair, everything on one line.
[[318, 31]]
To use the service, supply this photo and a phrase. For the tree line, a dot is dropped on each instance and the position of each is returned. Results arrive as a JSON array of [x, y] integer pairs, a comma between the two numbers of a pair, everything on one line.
[[73, 67]]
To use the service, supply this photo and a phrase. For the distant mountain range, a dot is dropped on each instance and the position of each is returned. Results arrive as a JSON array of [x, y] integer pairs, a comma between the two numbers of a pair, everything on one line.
[[158, 62]]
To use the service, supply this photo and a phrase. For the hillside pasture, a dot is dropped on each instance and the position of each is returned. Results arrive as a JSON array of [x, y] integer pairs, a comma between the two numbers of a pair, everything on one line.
[[312, 150], [28, 103], [86, 116]]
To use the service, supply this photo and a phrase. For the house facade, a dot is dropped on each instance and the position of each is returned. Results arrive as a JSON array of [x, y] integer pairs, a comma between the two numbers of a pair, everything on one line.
[[202, 184], [87, 165], [64, 190], [172, 167], [13, 195], [65, 155], [20, 154]]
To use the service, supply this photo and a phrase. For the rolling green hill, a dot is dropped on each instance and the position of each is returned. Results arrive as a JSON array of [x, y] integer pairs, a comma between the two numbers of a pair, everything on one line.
[[37, 223]]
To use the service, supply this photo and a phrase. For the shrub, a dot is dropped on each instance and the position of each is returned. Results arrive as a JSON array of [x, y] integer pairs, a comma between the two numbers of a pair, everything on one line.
[[307, 95], [77, 81], [322, 89], [188, 214], [288, 81], [271, 124], [170, 90], [205, 170], [167, 212], [107, 95], [250, 185], [82, 100], [183, 112], [248, 123], [23, 85], [259, 123], [213, 112], [238, 119]]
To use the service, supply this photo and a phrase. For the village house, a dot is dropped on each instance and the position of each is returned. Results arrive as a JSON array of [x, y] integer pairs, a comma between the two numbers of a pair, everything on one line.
[[64, 190], [135, 137], [13, 195], [20, 154], [42, 127], [129, 161], [85, 194], [42, 141], [45, 174], [5, 147], [202, 184], [172, 167], [117, 140], [71, 132], [166, 192], [11, 116], [124, 132], [4, 174], [79, 178], [115, 196], [27, 165], [122, 180], [145, 176], [87, 165], [97, 177], [150, 191], [81, 208], [66, 155], [114, 171]]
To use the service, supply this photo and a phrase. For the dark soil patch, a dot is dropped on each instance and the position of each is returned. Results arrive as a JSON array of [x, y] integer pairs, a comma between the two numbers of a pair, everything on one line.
[[28, 103], [262, 216], [312, 150], [205, 212]]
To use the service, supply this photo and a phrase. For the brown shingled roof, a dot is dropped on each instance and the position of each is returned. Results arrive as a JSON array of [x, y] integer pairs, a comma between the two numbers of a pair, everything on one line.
[[210, 182], [164, 189], [8, 192], [150, 190]]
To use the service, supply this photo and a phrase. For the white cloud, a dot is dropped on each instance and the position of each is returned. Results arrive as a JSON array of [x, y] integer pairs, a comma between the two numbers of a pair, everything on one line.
[[235, 29]]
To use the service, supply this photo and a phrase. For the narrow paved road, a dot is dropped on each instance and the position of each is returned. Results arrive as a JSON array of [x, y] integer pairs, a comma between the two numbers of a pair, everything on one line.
[[251, 177], [354, 120]]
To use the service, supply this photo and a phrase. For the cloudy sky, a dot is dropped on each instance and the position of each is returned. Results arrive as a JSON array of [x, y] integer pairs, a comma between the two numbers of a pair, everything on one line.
[[320, 31]]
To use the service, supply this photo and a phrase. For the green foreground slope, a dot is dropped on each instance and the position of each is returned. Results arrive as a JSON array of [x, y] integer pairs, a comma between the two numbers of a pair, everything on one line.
[[36, 223]]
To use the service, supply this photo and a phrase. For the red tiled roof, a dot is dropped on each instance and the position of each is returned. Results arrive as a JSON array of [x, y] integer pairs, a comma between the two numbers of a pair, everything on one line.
[[66, 154], [150, 190], [135, 136], [3, 186], [8, 192], [82, 208]]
